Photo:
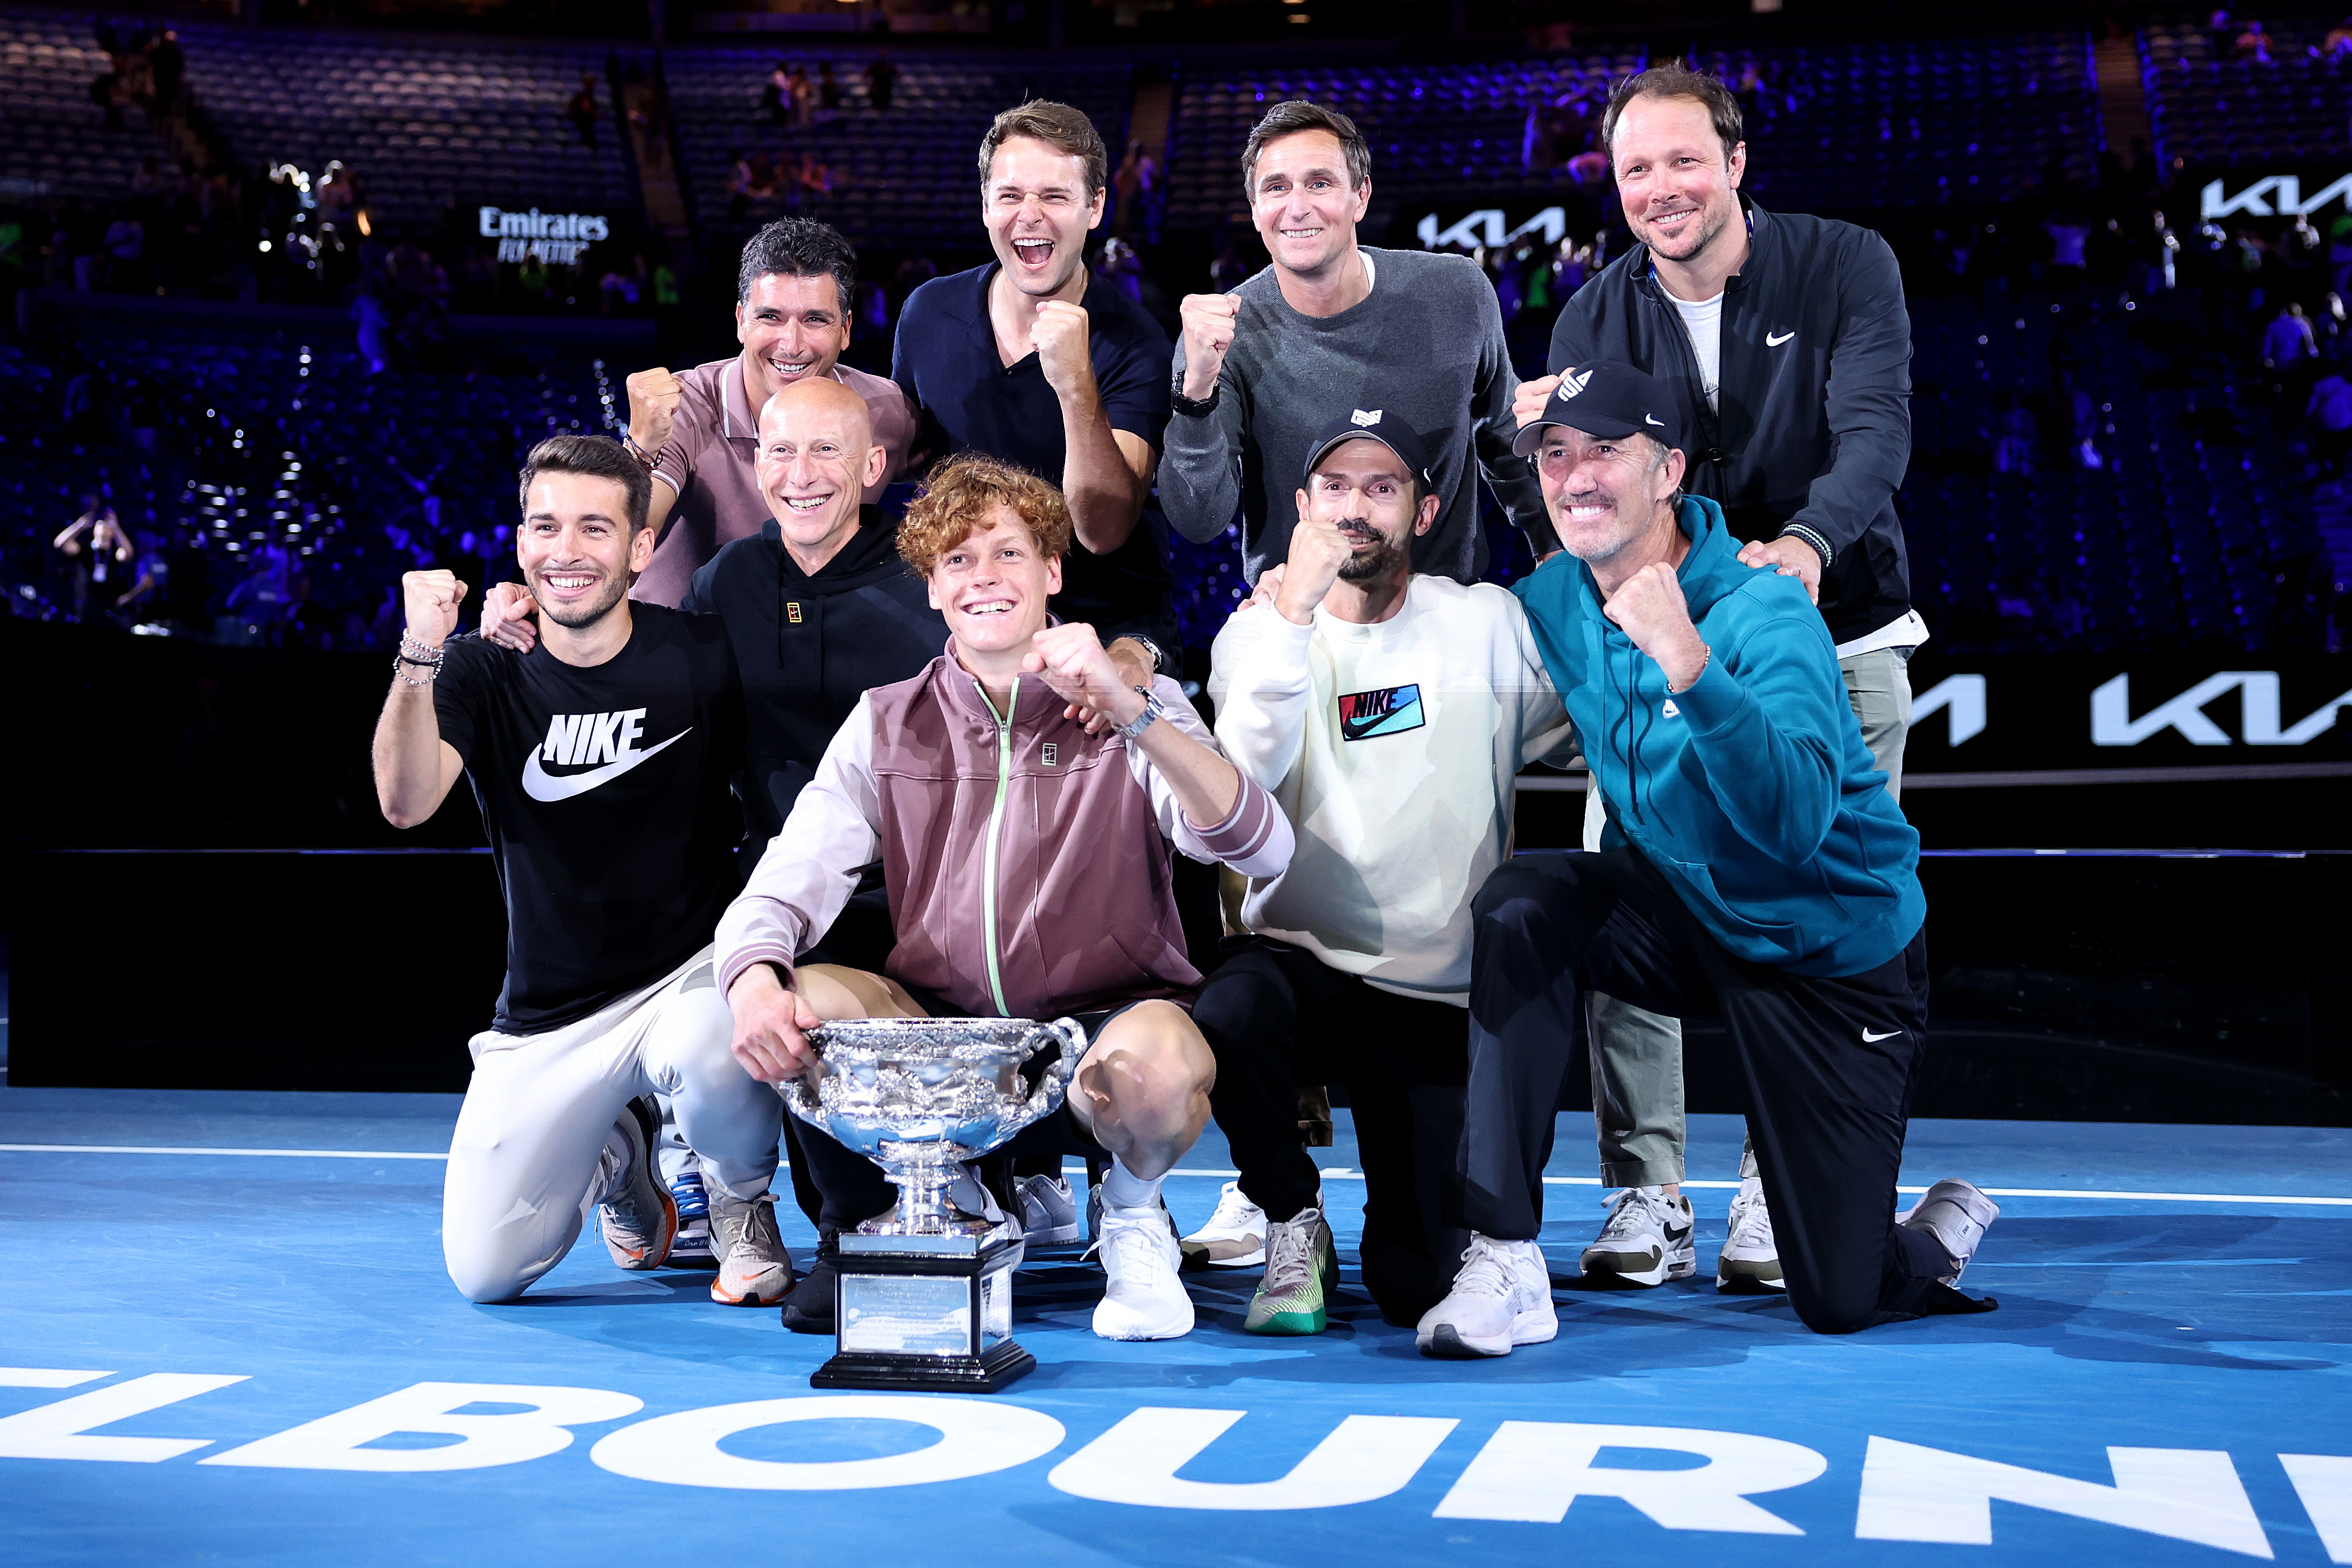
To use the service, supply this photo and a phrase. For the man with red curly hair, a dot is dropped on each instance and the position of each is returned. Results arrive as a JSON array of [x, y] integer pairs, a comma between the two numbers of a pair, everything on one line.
[[1026, 861]]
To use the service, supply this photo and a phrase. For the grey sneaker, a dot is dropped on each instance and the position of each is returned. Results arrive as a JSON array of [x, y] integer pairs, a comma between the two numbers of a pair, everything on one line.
[[1751, 1259], [1956, 1216], [754, 1269], [638, 1219], [1049, 1212], [1234, 1237], [1646, 1241], [1302, 1270]]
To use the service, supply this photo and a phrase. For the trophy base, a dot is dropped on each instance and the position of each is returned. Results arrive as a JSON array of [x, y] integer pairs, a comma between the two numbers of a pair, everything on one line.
[[930, 1312], [1004, 1364]]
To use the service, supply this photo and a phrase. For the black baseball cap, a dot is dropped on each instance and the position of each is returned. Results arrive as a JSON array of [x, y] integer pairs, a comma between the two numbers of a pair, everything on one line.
[[1607, 399], [1388, 429]]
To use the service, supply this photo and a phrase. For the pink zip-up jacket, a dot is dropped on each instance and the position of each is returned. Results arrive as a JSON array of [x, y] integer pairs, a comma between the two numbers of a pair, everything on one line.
[[1027, 860]]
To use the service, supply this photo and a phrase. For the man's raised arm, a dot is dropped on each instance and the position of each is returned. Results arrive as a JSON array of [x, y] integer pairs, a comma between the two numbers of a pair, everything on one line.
[[415, 767]]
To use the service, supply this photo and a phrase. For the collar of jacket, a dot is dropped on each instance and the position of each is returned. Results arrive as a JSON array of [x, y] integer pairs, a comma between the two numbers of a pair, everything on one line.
[[1763, 241], [869, 556], [1035, 709]]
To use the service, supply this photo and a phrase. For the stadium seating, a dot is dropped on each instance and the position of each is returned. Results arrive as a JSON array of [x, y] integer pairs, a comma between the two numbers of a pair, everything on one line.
[[2207, 108], [54, 141], [424, 121], [904, 177], [1852, 127], [1437, 131]]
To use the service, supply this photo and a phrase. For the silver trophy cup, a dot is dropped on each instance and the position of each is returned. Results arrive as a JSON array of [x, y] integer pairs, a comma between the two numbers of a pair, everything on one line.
[[925, 1297]]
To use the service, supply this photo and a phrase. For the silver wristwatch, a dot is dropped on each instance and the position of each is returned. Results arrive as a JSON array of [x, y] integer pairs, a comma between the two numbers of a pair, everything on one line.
[[1152, 709]]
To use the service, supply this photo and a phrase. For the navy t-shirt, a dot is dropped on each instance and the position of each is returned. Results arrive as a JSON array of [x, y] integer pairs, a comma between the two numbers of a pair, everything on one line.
[[606, 792], [946, 360]]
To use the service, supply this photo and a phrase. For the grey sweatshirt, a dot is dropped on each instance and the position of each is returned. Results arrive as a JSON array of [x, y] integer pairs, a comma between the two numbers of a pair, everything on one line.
[[1426, 345]]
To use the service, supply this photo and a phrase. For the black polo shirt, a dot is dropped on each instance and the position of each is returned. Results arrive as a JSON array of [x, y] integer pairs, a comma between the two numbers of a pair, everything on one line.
[[946, 360]]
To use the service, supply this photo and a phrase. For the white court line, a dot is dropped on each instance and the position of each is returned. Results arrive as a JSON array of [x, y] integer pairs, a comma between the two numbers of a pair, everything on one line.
[[1334, 1173]]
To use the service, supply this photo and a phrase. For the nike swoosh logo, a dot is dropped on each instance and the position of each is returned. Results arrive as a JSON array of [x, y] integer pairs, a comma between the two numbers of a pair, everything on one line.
[[541, 785], [1773, 343], [1659, 422], [1869, 1038]]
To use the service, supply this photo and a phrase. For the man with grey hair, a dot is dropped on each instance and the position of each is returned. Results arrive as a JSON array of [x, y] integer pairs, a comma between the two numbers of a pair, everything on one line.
[[1327, 321], [1783, 341], [698, 431]]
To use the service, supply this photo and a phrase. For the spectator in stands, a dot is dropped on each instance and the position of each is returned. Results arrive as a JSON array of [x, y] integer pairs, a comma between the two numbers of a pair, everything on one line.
[[697, 432], [2253, 44], [814, 178], [109, 91], [802, 94], [582, 111], [96, 551], [1325, 320], [2337, 44], [1034, 360], [142, 602], [2289, 338], [776, 95], [2329, 409], [828, 88], [1785, 342], [167, 65], [881, 79]]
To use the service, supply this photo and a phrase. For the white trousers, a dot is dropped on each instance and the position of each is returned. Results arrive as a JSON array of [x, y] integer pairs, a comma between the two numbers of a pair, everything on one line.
[[523, 1163]]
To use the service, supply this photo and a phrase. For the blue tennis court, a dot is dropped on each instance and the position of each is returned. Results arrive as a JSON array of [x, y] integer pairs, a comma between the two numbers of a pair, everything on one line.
[[228, 1337]]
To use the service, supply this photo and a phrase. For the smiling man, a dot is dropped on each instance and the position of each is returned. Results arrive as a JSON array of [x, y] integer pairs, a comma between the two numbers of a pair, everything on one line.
[[697, 431], [601, 762], [1328, 318], [1026, 863], [1034, 360], [1388, 712], [818, 608], [1784, 346], [1755, 872]]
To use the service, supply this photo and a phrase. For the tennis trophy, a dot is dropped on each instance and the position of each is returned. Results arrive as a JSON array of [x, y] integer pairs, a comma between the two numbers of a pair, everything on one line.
[[925, 1297]]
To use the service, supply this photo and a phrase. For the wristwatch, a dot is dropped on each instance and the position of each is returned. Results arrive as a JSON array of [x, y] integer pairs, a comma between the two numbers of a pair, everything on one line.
[[1195, 407], [1152, 710], [1159, 665]]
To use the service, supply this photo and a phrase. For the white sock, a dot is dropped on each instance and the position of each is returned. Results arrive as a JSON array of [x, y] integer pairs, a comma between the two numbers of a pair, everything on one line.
[[1123, 1189]]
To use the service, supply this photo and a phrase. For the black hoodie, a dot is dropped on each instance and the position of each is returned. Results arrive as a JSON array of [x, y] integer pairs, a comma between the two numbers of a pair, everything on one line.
[[1814, 430], [810, 646]]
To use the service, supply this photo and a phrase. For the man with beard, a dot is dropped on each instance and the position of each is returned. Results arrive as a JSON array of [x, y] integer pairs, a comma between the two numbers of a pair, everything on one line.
[[1387, 711], [600, 762], [1783, 344]]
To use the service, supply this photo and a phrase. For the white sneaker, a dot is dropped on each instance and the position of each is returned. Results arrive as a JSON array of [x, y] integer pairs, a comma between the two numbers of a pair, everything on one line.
[[1956, 1216], [1049, 1212], [1142, 1297], [1234, 1237], [1502, 1298], [1646, 1241], [754, 1269], [1750, 1260]]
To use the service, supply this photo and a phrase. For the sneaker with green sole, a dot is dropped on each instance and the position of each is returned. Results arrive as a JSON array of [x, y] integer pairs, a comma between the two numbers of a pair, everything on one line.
[[1302, 1270]]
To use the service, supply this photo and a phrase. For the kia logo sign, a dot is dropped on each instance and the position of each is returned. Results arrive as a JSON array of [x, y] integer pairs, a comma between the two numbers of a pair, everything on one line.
[[2279, 196], [2113, 725], [1487, 226]]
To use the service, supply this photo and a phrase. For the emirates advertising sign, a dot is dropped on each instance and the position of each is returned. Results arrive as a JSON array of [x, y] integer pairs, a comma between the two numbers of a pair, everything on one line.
[[556, 238]]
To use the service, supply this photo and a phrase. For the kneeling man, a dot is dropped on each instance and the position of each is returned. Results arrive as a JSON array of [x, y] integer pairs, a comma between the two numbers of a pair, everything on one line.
[[1026, 863], [601, 762], [1755, 870]]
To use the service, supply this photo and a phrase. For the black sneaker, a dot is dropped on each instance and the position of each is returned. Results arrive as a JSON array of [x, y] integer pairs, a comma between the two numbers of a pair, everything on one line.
[[809, 1309]]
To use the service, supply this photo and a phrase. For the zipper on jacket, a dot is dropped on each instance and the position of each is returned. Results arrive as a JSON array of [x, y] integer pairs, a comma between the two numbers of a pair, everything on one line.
[[996, 830]]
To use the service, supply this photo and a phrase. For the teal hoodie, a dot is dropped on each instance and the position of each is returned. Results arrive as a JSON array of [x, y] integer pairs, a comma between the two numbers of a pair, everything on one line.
[[1752, 790]]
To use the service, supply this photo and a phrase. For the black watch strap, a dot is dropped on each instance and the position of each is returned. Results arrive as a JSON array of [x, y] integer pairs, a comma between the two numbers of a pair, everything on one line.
[[1195, 407]]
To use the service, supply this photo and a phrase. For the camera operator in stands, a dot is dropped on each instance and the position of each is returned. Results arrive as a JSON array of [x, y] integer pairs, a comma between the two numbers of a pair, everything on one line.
[[1784, 342]]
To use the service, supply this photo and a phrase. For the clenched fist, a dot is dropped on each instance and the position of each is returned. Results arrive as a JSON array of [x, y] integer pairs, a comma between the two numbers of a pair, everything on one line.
[[1650, 607], [653, 405], [1318, 553], [1527, 401], [1209, 323], [431, 600], [508, 616], [1072, 659], [1059, 335]]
